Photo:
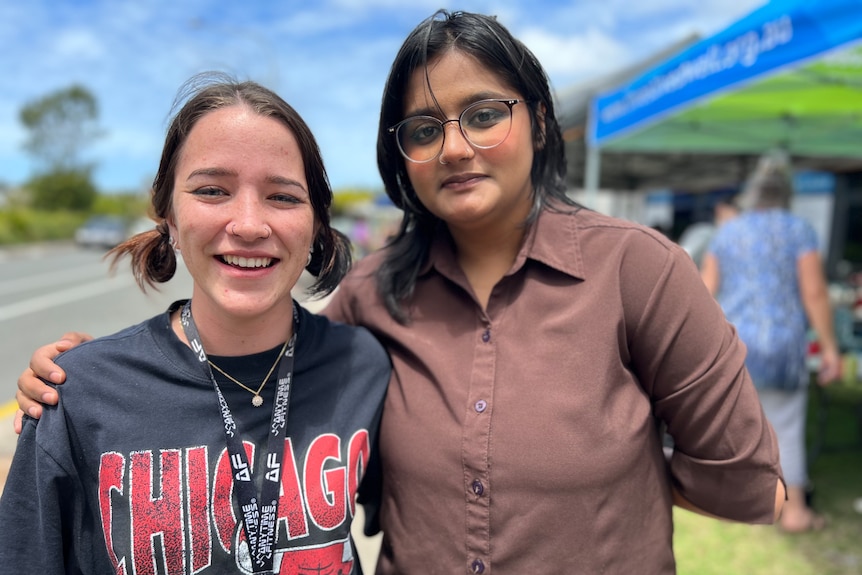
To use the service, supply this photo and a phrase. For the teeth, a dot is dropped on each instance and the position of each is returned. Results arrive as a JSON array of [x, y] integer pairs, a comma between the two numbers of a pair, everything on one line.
[[247, 262]]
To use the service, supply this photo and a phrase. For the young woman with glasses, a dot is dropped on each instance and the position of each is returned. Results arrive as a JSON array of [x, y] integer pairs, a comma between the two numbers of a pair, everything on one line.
[[537, 347]]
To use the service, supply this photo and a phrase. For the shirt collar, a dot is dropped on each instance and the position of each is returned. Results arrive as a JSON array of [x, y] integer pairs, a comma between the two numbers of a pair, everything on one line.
[[553, 240]]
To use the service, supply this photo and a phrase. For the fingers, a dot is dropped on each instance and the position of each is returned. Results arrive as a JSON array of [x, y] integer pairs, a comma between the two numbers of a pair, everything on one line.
[[26, 405], [827, 376], [32, 389], [42, 365], [17, 423], [830, 368], [72, 338]]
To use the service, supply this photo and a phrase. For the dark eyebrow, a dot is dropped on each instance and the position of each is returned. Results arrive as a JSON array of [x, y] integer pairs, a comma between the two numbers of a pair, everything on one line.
[[463, 103], [286, 182], [222, 172], [211, 172]]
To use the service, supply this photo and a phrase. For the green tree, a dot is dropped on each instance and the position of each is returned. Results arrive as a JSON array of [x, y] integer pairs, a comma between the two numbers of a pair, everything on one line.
[[60, 126], [63, 189]]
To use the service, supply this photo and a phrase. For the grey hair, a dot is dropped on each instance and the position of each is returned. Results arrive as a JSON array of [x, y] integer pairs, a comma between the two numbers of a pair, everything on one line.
[[770, 184]]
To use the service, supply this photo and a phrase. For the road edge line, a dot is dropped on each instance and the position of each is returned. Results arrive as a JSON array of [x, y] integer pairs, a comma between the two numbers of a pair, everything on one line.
[[8, 409]]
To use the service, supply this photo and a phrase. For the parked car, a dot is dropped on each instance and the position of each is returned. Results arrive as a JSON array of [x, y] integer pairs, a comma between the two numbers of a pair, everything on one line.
[[140, 225], [102, 232]]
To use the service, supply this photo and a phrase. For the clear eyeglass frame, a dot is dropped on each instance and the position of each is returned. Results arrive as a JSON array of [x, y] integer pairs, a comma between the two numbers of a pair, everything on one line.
[[397, 129]]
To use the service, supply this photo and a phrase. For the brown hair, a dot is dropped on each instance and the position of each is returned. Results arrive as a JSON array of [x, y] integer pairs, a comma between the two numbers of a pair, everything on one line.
[[153, 257]]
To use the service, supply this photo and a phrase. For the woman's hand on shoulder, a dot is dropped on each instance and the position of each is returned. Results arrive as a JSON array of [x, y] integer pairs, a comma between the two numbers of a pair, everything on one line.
[[32, 391]]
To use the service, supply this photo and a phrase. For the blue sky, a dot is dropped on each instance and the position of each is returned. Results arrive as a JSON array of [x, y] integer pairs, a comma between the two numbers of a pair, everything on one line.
[[328, 58]]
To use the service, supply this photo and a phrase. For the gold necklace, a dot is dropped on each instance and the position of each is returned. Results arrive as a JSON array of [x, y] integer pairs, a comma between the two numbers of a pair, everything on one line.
[[257, 400]]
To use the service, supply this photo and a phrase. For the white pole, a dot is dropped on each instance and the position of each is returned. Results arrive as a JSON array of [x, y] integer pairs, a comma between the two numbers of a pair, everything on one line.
[[592, 169]]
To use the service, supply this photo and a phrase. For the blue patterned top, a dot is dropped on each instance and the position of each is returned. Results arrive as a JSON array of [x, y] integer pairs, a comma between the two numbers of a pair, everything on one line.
[[758, 254]]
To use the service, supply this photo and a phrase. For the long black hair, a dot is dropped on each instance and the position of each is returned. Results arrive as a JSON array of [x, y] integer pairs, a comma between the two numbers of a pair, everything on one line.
[[491, 44]]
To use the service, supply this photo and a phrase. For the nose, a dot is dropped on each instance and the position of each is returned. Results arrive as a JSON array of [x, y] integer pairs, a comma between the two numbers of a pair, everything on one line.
[[455, 146], [248, 219]]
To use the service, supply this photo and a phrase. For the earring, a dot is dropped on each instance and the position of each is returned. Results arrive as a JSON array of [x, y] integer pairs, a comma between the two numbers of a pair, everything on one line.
[[310, 255]]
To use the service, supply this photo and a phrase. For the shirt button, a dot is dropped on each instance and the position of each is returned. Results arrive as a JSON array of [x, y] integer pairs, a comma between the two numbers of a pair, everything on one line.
[[486, 335], [478, 566], [478, 488], [481, 405]]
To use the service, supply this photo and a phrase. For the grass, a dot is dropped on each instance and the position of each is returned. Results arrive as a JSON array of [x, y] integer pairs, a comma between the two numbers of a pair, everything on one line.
[[23, 225], [708, 547]]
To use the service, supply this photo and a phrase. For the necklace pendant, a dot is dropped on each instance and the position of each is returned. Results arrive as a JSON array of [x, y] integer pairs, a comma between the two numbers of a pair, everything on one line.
[[257, 400]]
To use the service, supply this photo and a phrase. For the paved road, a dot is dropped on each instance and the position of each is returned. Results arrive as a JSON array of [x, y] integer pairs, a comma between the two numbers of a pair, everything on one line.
[[49, 289]]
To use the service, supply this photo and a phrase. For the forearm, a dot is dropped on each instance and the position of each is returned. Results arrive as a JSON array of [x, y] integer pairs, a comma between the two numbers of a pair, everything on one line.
[[819, 313], [709, 273], [815, 300], [683, 503]]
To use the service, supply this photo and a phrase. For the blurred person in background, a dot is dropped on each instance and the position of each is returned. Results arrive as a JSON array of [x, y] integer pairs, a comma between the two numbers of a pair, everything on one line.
[[696, 237], [764, 268]]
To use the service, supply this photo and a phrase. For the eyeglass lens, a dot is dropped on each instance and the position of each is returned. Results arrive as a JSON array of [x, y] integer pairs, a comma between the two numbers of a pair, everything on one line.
[[484, 124]]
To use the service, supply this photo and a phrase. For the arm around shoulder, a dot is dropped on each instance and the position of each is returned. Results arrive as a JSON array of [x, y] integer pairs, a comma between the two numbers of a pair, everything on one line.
[[683, 503], [32, 390], [815, 299], [691, 362]]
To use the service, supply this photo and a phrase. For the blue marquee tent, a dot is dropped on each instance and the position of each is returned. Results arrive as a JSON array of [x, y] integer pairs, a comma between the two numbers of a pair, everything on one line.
[[788, 75]]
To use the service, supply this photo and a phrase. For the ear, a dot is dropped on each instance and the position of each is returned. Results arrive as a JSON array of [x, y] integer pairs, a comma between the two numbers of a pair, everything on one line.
[[172, 228]]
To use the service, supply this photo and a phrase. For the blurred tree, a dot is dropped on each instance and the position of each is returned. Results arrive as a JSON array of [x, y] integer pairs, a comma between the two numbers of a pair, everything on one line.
[[62, 190], [344, 198], [61, 125], [128, 205]]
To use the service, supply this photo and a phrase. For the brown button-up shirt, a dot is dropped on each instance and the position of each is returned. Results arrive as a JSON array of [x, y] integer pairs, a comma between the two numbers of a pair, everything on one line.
[[522, 438]]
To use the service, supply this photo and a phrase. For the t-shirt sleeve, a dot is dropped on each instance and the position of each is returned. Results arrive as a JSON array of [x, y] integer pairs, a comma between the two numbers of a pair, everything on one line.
[[337, 308], [32, 508], [806, 238], [346, 303], [692, 365]]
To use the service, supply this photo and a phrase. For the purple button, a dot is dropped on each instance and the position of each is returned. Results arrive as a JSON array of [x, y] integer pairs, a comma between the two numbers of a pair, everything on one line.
[[478, 488], [486, 335], [478, 566], [481, 405]]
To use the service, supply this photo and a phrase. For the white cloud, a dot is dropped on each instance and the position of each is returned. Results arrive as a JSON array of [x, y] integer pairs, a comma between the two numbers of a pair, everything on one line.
[[329, 60], [77, 43], [569, 59]]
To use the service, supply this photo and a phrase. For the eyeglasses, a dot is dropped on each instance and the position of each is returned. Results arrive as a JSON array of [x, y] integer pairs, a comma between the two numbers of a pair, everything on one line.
[[485, 124]]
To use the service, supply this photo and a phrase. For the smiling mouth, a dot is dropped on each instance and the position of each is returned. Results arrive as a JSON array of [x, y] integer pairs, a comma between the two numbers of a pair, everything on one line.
[[241, 262]]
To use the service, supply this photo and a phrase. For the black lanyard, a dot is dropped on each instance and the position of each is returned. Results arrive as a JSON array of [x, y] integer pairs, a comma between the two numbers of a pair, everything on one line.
[[260, 516]]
